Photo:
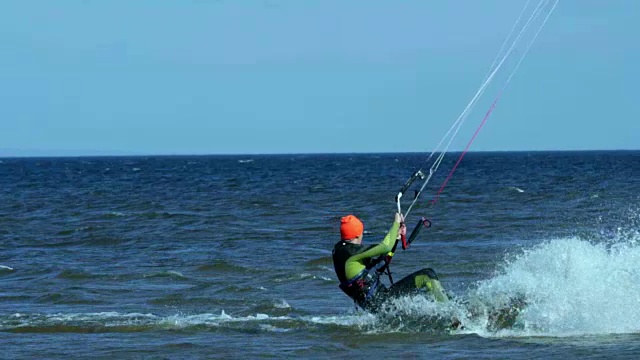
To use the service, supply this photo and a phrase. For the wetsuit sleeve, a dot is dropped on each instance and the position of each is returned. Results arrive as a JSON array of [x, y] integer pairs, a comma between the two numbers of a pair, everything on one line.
[[356, 263]]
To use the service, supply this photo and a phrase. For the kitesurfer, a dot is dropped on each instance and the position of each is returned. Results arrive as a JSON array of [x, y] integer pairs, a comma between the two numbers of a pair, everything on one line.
[[356, 267]]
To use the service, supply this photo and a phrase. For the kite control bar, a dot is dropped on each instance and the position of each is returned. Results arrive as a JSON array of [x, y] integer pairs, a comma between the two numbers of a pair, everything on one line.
[[424, 222], [417, 174], [405, 187]]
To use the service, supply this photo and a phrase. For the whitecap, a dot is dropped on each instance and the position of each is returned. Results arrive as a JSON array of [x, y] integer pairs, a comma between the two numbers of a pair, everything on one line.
[[271, 328], [282, 305]]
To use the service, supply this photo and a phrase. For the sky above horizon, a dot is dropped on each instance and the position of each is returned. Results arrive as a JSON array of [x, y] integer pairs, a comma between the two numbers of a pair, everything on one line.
[[244, 77]]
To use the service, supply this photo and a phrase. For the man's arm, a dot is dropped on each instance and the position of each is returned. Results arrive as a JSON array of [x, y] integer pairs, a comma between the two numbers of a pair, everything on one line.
[[355, 264]]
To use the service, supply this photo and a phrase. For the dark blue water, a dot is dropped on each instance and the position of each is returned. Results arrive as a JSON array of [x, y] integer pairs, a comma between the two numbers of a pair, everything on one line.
[[229, 256]]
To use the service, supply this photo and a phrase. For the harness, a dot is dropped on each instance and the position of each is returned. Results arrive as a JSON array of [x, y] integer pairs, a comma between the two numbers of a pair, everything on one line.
[[363, 287]]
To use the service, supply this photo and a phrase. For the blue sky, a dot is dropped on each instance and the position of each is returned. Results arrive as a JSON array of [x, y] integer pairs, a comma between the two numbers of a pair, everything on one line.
[[241, 77]]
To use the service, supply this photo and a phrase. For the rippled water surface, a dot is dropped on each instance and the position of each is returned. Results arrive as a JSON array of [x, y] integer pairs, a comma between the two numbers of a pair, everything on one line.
[[229, 256]]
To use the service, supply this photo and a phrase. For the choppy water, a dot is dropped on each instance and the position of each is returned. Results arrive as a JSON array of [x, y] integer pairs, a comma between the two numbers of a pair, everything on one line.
[[229, 256]]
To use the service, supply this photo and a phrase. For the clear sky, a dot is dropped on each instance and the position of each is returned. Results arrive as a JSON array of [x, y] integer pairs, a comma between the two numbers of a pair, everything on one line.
[[303, 76]]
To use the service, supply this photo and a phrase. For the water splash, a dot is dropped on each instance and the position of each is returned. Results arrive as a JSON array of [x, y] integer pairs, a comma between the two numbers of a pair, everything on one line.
[[283, 304], [415, 313], [571, 287]]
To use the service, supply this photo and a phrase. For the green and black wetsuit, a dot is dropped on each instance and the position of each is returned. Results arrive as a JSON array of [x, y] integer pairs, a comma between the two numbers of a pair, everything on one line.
[[355, 267]]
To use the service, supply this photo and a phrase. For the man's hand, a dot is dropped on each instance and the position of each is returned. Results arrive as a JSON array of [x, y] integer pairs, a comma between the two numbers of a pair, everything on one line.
[[399, 218], [403, 228]]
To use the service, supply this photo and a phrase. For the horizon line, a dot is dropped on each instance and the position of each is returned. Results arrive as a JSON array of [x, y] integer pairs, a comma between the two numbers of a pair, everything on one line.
[[122, 154]]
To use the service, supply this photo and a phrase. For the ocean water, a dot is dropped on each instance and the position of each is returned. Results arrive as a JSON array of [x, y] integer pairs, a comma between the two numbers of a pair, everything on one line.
[[230, 256]]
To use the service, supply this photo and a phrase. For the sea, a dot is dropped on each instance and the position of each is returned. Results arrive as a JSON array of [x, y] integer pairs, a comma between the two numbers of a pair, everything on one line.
[[229, 257]]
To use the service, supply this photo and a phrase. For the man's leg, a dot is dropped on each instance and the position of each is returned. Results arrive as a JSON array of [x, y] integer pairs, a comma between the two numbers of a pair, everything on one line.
[[422, 280]]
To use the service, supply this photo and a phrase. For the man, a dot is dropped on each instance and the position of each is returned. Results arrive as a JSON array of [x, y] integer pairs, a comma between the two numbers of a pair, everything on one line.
[[355, 266]]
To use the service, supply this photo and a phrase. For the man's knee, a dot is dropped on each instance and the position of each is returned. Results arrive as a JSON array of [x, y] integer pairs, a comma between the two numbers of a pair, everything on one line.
[[432, 286], [428, 272]]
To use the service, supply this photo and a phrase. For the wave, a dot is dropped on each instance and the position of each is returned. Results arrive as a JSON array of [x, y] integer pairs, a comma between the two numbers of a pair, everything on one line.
[[137, 322], [302, 277], [87, 228], [108, 215], [173, 274], [223, 266], [80, 275], [151, 215], [67, 298], [76, 275], [324, 261]]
